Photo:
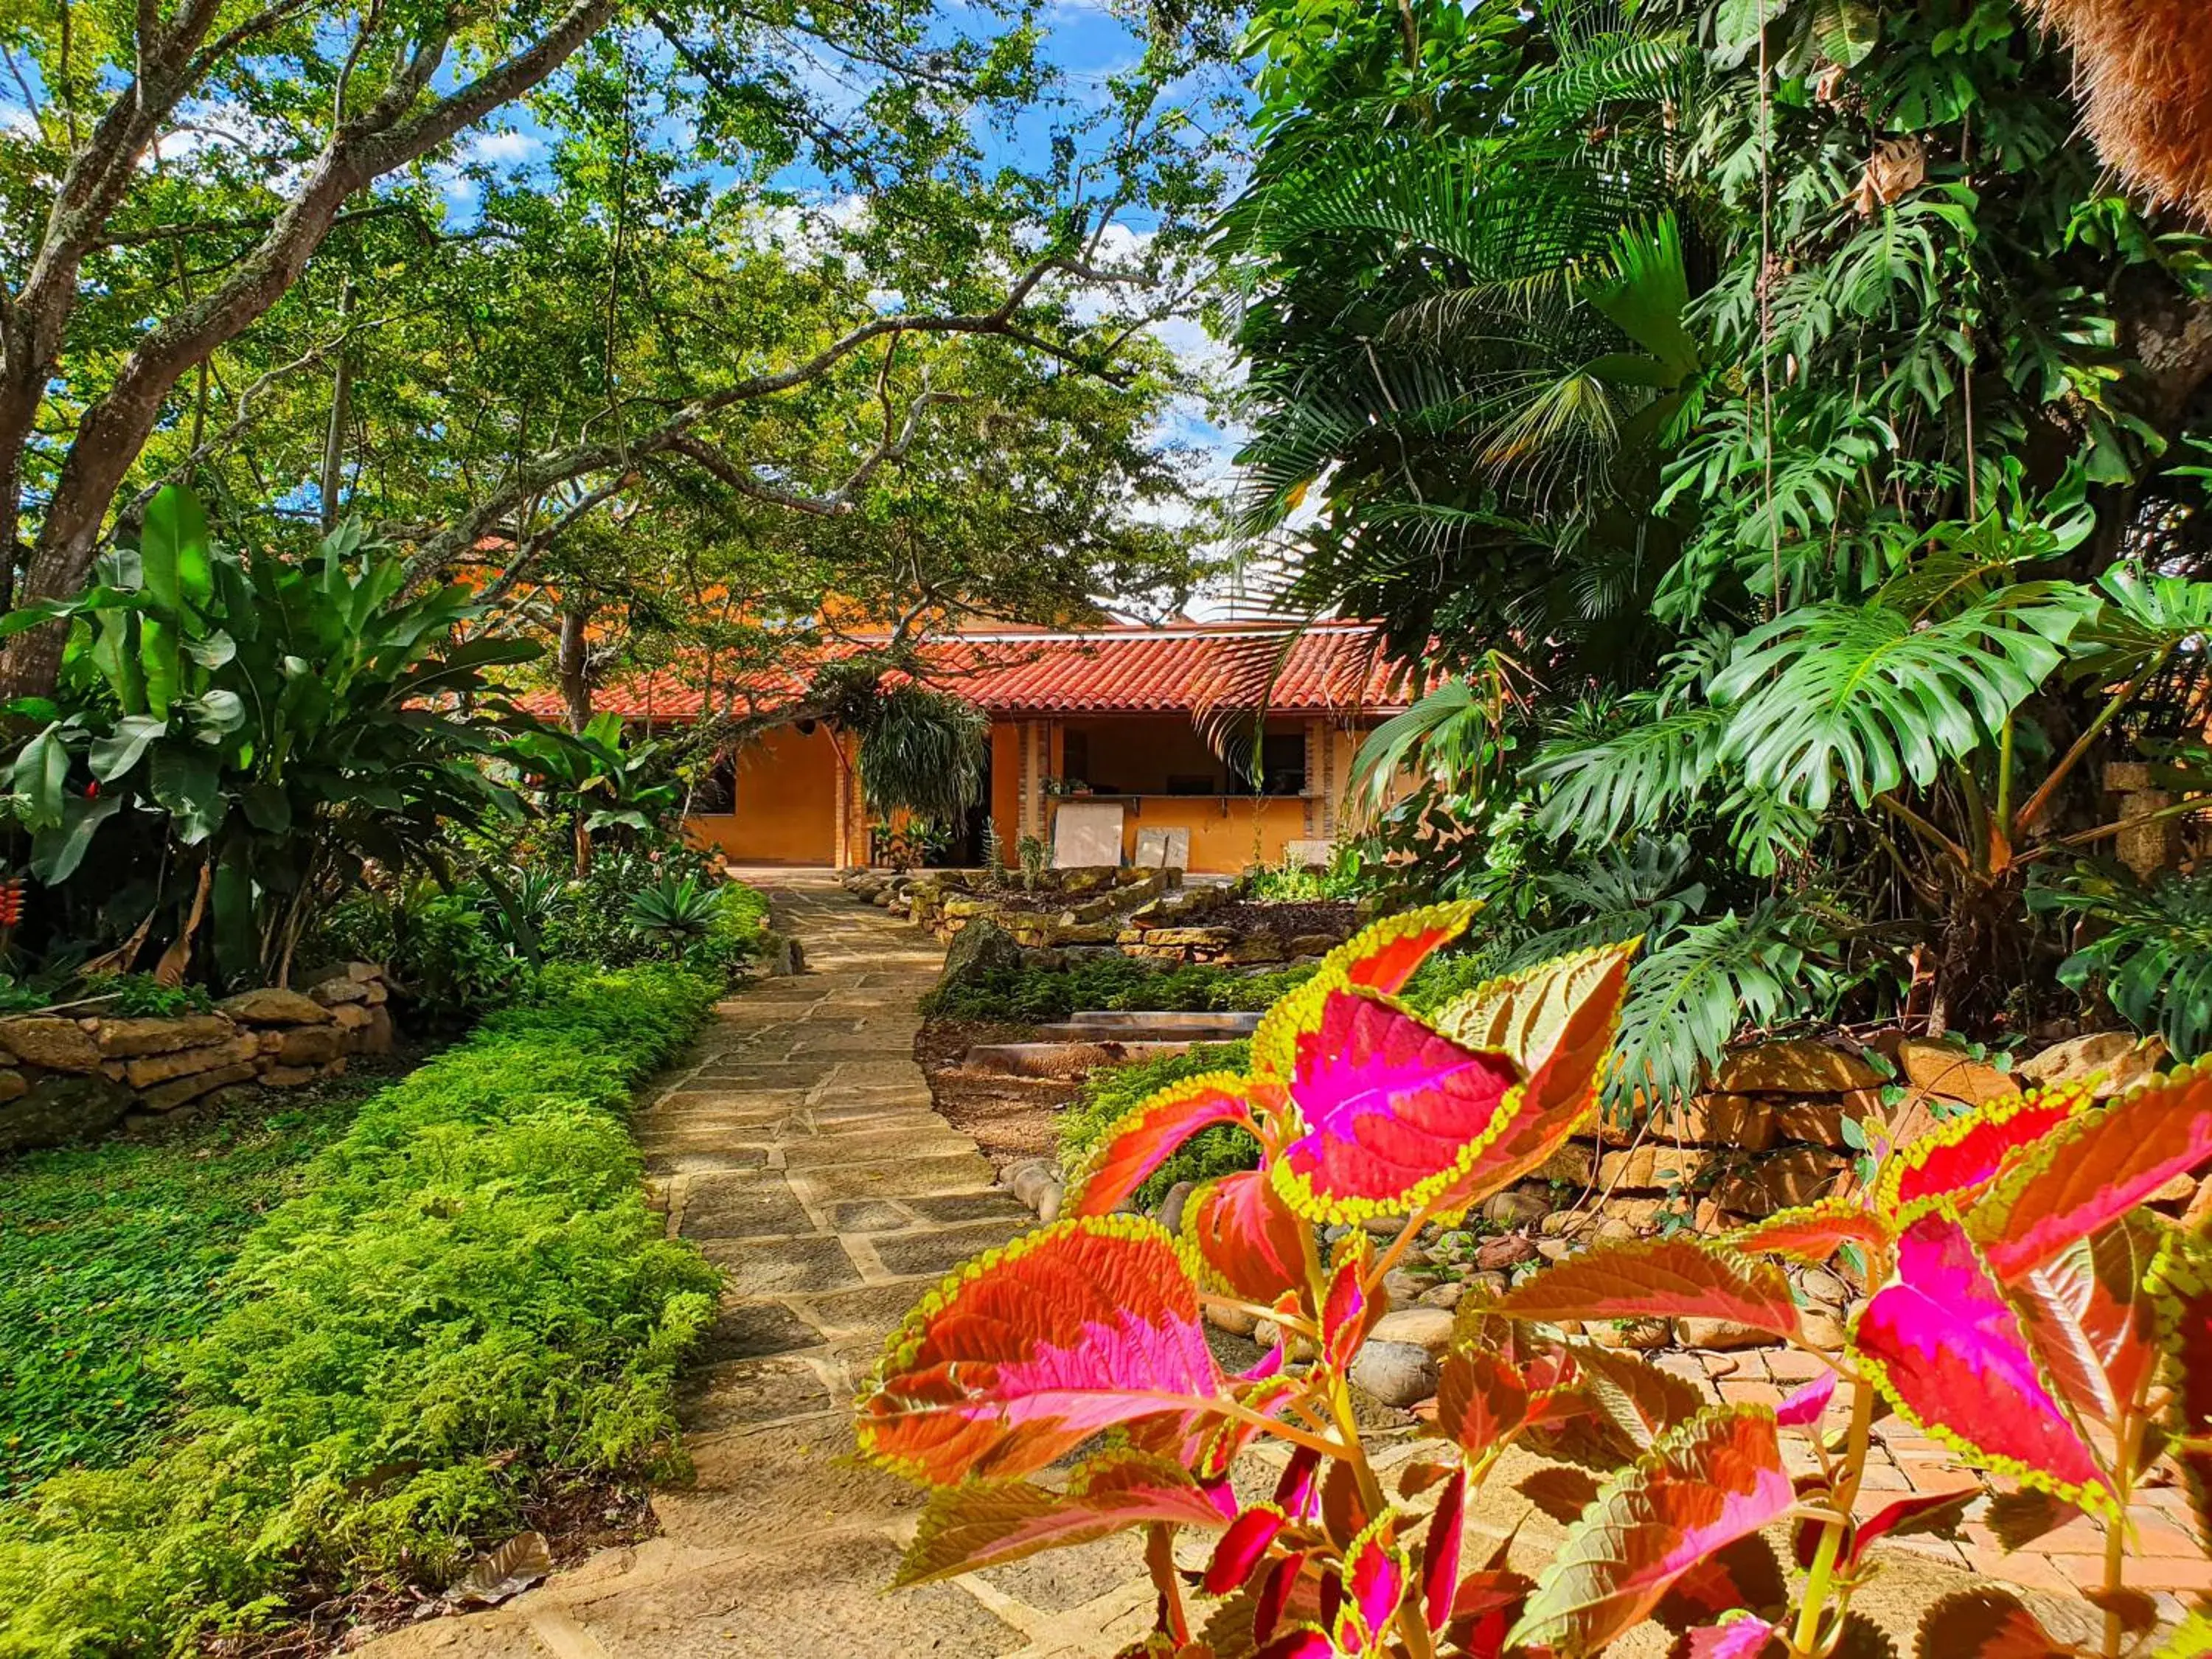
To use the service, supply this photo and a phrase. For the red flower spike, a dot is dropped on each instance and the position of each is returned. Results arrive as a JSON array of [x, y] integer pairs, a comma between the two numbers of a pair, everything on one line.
[[1658, 1279], [1712, 1481], [1029, 1350], [1440, 1551], [1389, 1114], [1380, 957], [2096, 1168], [1246, 1237], [1964, 1155], [1243, 1548], [1143, 1139], [1941, 1342], [988, 1524]]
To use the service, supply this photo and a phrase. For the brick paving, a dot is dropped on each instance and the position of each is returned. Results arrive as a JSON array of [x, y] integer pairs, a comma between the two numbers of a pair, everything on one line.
[[796, 1145]]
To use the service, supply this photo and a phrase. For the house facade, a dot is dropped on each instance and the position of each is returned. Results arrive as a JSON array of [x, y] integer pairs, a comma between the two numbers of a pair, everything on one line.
[[1097, 747]]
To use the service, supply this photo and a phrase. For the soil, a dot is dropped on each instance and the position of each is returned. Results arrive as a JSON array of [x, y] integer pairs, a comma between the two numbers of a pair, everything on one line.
[[1285, 920], [1011, 1119]]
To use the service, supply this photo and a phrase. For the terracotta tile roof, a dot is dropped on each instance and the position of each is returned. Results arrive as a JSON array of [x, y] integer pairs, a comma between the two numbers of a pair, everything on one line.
[[1180, 669]]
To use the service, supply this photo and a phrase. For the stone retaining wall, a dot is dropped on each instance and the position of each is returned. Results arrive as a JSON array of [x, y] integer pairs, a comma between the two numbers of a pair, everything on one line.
[[63, 1077]]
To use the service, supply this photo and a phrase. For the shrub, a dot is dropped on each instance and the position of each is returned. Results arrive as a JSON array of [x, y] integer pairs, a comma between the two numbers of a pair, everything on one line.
[[1035, 993], [466, 1297]]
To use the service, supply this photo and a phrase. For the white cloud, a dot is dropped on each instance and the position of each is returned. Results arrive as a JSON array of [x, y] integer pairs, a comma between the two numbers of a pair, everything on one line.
[[496, 148]]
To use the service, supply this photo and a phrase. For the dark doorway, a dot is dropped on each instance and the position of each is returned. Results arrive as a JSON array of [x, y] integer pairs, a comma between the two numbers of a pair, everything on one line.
[[963, 848]]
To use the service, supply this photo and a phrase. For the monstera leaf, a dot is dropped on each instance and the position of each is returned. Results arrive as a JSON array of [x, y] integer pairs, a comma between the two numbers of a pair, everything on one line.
[[1246, 1237], [1140, 1140], [1964, 1155], [1557, 1023], [1380, 957], [1031, 1350], [2094, 1170], [1658, 1279], [1949, 1352], [1390, 1114], [986, 1523], [1717, 1479]]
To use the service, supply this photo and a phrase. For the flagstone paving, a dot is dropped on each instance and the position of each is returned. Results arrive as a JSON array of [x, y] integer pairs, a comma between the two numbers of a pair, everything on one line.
[[797, 1147]]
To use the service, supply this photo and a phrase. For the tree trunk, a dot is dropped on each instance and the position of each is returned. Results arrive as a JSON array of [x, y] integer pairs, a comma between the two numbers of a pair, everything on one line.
[[574, 665]]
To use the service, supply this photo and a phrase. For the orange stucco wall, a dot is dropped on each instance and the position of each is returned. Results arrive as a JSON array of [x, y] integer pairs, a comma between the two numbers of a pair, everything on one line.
[[1006, 786], [786, 802]]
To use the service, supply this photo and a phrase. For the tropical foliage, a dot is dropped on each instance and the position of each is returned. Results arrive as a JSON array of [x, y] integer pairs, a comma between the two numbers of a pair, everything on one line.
[[1768, 418], [2024, 1311]]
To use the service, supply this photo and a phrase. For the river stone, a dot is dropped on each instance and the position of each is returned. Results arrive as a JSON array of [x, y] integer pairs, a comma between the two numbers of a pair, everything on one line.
[[1824, 1287], [1397, 1373], [1515, 1209], [978, 952], [1447, 1295], [1720, 1334], [57, 1044], [1171, 1206], [1404, 1287], [1238, 1321], [1427, 1329]]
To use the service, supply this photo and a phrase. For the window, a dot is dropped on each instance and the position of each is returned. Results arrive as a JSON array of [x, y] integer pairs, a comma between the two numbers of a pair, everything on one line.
[[1282, 769]]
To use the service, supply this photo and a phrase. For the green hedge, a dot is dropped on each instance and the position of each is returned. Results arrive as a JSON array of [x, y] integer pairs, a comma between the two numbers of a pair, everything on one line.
[[1037, 993], [467, 1295]]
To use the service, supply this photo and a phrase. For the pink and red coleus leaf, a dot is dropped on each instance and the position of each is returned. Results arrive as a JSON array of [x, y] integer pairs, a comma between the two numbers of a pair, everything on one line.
[[1920, 1511], [1813, 1233], [1440, 1551], [985, 1523], [1950, 1352], [1246, 1237], [1345, 1311], [1959, 1159], [1388, 1113], [1556, 1023], [1031, 1349], [1802, 1408], [1375, 1584], [1244, 1548], [1748, 1637], [1381, 958], [1658, 1279], [2088, 1316], [1144, 1138], [2093, 1170], [1717, 1479], [1986, 1624], [2180, 1285]]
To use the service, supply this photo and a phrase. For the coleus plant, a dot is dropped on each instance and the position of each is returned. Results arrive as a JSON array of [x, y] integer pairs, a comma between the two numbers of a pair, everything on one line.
[[2027, 1311]]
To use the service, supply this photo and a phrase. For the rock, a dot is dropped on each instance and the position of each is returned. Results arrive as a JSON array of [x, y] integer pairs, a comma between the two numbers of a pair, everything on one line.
[[287, 1077], [344, 988], [188, 1062], [271, 1006], [1313, 944], [126, 1039], [1488, 1285], [58, 1109], [166, 1096], [1171, 1206], [57, 1044], [379, 1035], [1821, 1121], [1798, 1068], [978, 953], [2179, 1190], [14, 1085], [1256, 949], [1642, 1334], [1399, 1374], [1190, 938], [1736, 1121], [1385, 1226], [1954, 1073], [1266, 1335], [1429, 1328], [1403, 1288], [353, 1016], [1235, 1321], [1494, 1254], [312, 1045], [1029, 1181], [1612, 1229], [1782, 1180], [1048, 1206], [1515, 1208], [1565, 1224], [1719, 1335], [1823, 1330], [1649, 1166], [1447, 1295], [1572, 1165], [1823, 1287], [2118, 1061], [1555, 1249]]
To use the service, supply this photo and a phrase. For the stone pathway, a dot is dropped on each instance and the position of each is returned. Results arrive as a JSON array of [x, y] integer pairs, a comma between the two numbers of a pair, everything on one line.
[[797, 1149]]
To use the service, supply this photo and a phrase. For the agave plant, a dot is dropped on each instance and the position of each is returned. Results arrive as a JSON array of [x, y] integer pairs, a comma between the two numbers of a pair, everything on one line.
[[674, 910], [2026, 1311]]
